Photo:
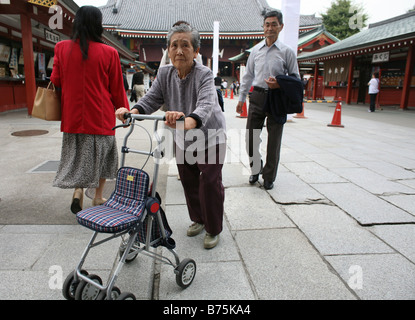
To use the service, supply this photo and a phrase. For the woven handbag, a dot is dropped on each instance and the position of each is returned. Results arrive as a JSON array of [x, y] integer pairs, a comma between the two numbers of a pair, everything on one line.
[[47, 104]]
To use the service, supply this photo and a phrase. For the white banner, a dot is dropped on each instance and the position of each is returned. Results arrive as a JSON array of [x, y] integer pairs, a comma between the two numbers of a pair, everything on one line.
[[291, 12], [215, 54]]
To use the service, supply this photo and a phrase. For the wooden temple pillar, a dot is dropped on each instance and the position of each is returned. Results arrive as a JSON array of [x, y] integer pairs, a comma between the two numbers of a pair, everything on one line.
[[350, 81], [29, 64], [316, 67], [408, 78]]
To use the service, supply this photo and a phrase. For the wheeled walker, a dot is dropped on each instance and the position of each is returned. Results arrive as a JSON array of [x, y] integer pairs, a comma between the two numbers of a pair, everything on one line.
[[132, 213]]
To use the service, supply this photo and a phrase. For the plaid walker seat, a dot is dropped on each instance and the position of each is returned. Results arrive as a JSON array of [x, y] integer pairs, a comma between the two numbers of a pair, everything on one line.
[[124, 208]]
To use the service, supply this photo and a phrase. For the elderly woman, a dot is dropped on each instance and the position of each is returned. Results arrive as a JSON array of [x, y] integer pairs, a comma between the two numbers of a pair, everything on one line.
[[187, 90]]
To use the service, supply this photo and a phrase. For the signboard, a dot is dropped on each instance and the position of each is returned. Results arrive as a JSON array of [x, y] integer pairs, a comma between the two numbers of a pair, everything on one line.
[[380, 57], [4, 53], [42, 63], [52, 37]]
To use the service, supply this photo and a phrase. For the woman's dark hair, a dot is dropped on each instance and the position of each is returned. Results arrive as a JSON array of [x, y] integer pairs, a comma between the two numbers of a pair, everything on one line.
[[87, 27]]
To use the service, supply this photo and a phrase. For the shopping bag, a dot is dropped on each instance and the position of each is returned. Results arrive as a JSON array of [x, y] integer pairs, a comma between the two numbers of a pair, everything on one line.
[[47, 105]]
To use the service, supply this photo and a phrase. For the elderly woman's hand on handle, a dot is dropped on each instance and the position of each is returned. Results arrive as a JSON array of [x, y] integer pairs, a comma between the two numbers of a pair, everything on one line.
[[119, 113], [173, 116]]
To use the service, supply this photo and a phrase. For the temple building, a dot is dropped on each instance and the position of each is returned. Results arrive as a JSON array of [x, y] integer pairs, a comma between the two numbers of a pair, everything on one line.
[[385, 47], [143, 26]]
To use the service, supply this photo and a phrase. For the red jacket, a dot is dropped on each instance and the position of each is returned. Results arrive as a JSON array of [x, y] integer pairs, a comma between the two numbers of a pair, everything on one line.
[[91, 89]]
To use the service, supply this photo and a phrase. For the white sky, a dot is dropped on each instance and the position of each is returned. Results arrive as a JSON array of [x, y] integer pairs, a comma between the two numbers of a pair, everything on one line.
[[377, 10], [97, 3]]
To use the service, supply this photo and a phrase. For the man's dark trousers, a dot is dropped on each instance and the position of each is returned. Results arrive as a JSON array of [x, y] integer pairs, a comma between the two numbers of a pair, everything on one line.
[[254, 125]]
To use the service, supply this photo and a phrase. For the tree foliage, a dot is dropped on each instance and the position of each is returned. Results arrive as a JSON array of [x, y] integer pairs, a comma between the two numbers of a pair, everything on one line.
[[344, 19]]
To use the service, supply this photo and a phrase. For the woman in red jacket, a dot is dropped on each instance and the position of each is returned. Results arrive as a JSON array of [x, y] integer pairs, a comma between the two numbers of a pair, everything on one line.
[[89, 74]]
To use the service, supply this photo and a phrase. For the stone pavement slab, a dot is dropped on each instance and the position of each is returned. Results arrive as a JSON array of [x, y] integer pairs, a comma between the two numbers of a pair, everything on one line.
[[283, 266], [377, 276], [399, 237], [252, 208], [333, 232], [403, 201], [293, 190], [389, 170], [409, 183], [329, 160], [365, 207], [372, 181], [312, 172]]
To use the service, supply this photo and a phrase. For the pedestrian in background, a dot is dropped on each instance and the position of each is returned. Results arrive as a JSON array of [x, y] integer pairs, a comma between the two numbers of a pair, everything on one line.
[[224, 85], [218, 86], [373, 91], [137, 84], [89, 74], [234, 87], [268, 59], [125, 81]]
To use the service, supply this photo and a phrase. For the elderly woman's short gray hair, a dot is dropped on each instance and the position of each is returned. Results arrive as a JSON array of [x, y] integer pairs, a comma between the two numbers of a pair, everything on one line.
[[185, 28]]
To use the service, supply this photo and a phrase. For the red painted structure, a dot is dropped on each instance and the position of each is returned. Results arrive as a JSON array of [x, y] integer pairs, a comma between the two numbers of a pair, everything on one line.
[[25, 32]]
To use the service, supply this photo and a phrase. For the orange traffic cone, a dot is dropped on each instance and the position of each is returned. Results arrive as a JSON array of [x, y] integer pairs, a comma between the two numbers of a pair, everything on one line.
[[300, 115], [231, 94], [337, 118], [226, 93], [244, 113]]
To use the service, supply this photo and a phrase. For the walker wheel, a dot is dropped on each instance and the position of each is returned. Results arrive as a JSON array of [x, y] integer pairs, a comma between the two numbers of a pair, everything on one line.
[[126, 296], [69, 286], [185, 273], [115, 292], [87, 291], [130, 256]]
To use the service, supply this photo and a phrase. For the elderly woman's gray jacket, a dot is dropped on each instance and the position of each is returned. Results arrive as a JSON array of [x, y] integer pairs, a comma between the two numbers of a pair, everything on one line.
[[195, 96]]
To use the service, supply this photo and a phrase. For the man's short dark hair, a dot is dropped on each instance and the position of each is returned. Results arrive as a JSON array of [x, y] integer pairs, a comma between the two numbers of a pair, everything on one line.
[[274, 13]]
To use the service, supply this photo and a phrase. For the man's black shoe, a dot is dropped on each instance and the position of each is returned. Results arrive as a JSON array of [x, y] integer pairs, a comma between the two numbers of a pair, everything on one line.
[[253, 178], [268, 185]]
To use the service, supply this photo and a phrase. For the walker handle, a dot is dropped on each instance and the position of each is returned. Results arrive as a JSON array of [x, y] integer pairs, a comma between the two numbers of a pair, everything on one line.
[[140, 117], [123, 125]]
